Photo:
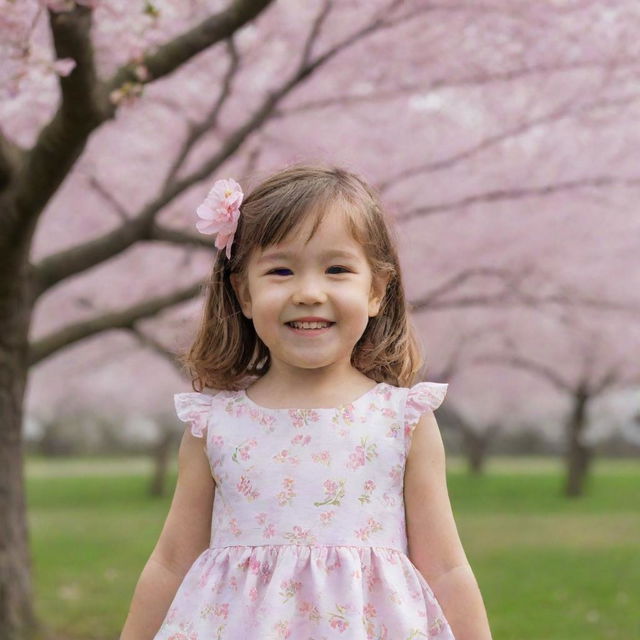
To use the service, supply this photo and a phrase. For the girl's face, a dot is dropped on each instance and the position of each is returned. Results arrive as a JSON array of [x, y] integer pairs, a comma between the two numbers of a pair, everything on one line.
[[328, 278]]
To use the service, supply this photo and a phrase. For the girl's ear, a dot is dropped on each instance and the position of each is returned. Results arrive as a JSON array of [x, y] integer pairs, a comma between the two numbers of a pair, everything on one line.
[[241, 290], [378, 289]]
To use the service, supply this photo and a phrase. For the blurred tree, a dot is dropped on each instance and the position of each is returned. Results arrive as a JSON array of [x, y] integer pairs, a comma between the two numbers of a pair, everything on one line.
[[464, 108]]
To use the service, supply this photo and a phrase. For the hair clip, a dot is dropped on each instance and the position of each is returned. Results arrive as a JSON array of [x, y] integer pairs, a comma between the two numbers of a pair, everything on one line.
[[220, 211]]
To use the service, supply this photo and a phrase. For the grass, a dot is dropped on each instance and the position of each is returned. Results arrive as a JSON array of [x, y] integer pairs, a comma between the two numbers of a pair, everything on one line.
[[549, 568]]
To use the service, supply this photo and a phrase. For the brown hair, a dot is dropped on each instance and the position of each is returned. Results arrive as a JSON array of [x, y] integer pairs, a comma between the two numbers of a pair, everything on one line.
[[227, 349]]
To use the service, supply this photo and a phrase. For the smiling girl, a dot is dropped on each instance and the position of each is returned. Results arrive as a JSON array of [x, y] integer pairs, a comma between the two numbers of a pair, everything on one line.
[[311, 500]]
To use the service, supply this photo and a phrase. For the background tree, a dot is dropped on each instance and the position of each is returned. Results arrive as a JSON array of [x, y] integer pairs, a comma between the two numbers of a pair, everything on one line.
[[499, 137]]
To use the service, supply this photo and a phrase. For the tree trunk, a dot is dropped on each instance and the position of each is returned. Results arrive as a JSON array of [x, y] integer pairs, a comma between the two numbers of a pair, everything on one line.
[[476, 446], [17, 615], [578, 455]]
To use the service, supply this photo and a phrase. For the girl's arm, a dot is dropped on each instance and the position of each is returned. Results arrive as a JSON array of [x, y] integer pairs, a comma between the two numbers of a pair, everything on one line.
[[433, 540], [185, 535]]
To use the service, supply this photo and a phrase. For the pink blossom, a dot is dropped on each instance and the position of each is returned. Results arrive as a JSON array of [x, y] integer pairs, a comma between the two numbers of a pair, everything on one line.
[[64, 66], [220, 212]]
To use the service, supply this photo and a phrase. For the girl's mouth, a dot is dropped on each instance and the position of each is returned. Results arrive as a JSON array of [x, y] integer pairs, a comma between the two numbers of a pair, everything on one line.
[[309, 332]]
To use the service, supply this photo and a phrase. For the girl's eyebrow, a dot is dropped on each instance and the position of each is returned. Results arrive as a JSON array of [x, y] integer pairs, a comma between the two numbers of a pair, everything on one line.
[[283, 255]]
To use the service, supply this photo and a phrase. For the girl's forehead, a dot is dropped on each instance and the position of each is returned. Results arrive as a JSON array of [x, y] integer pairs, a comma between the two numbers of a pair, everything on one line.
[[327, 226]]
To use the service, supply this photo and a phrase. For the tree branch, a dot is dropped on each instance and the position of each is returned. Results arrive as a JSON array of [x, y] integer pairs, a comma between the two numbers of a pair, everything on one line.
[[82, 108], [196, 131], [55, 268], [108, 196], [176, 236], [151, 343], [85, 101], [513, 294], [125, 319], [517, 194], [544, 371], [11, 157], [168, 57], [562, 112]]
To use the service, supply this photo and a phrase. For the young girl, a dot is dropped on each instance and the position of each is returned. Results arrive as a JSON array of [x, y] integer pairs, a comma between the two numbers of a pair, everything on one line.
[[331, 516]]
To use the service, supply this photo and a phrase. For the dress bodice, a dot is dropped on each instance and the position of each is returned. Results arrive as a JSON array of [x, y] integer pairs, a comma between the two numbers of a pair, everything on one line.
[[323, 476]]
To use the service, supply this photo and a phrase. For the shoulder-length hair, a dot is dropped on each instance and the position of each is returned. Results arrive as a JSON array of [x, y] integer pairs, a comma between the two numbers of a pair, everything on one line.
[[227, 351]]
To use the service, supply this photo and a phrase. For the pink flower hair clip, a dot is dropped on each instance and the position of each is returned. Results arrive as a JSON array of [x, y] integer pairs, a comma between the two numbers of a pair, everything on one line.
[[220, 211]]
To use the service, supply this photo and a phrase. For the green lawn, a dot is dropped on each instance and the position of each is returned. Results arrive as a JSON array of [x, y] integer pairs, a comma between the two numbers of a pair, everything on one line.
[[548, 568]]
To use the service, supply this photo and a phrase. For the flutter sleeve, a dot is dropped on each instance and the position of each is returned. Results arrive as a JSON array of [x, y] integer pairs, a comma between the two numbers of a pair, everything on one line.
[[194, 407], [422, 397]]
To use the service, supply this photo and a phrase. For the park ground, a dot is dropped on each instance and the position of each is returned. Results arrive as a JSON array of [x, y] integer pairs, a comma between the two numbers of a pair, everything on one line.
[[549, 567]]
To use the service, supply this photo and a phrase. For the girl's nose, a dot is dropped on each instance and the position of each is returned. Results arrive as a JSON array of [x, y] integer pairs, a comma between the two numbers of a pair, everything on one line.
[[309, 290]]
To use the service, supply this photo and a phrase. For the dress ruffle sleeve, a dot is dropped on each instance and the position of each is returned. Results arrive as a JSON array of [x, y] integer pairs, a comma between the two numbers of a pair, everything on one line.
[[422, 397], [194, 407]]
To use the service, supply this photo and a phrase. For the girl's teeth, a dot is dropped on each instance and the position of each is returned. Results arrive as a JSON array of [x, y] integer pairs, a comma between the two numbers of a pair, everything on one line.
[[309, 325]]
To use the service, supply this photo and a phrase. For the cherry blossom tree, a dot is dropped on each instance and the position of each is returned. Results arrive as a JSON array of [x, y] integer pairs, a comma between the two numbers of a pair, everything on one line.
[[591, 367], [489, 129], [104, 62]]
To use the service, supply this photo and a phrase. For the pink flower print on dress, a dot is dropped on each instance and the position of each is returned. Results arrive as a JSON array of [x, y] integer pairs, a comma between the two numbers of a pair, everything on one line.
[[300, 536], [338, 619], [389, 500], [327, 517], [219, 213], [301, 440], [186, 632], [333, 492], [357, 458], [309, 610], [269, 530], [243, 450], [285, 456], [394, 430], [303, 417], [396, 473], [344, 416], [217, 441], [372, 527], [267, 422], [368, 487], [261, 569], [245, 487], [371, 577], [285, 497], [235, 529], [282, 629], [288, 589], [324, 457]]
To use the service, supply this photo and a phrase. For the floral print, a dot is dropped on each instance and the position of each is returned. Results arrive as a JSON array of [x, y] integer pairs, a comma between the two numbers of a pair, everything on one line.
[[308, 533]]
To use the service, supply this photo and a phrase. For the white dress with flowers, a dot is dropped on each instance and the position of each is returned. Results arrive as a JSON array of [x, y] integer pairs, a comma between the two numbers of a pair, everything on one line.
[[308, 538]]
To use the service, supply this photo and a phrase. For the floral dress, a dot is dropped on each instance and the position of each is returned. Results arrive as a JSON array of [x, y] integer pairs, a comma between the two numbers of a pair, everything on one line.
[[308, 537]]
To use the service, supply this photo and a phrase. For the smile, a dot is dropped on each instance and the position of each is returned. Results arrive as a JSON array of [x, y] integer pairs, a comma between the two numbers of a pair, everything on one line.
[[310, 332]]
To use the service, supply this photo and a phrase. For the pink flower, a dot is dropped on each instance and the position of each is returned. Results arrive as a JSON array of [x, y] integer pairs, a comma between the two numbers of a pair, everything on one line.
[[64, 66], [220, 211]]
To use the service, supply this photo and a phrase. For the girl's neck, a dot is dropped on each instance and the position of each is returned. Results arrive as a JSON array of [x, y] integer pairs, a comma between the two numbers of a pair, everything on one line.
[[270, 391]]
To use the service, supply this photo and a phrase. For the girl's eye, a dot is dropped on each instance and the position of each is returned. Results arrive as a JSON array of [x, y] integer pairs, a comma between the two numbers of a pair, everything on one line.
[[344, 269]]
